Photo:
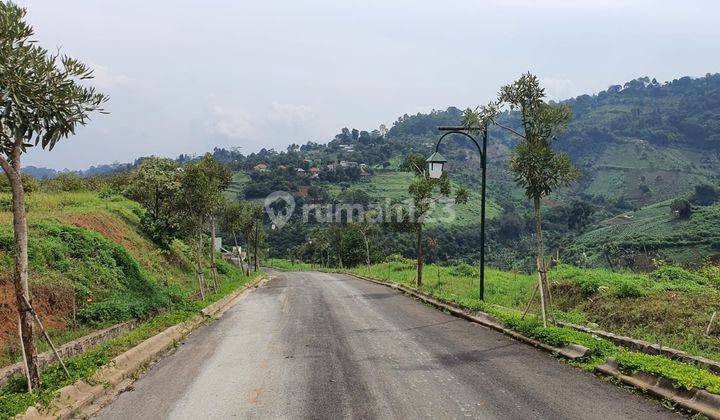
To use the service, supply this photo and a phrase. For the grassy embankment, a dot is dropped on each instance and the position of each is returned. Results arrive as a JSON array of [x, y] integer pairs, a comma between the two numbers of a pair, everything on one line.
[[91, 266], [669, 306]]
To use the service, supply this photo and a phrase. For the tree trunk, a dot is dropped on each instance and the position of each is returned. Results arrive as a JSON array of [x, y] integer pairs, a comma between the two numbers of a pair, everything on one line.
[[20, 275], [201, 275], [540, 260], [212, 254], [242, 268], [420, 257], [367, 250], [257, 239]]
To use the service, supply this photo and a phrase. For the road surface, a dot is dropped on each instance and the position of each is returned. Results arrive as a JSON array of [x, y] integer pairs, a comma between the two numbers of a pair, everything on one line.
[[315, 345]]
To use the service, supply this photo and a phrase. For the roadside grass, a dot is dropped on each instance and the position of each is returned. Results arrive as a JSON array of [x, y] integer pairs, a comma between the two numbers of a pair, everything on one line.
[[289, 265], [14, 398]]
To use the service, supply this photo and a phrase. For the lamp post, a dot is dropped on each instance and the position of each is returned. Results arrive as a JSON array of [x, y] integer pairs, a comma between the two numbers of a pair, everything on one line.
[[436, 166]]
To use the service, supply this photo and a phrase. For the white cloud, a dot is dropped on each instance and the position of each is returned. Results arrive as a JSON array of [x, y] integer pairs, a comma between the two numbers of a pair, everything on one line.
[[273, 126], [290, 113], [559, 89], [231, 122], [105, 79]]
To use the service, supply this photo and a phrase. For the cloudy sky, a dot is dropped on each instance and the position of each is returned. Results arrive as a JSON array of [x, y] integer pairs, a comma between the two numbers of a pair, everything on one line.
[[186, 76]]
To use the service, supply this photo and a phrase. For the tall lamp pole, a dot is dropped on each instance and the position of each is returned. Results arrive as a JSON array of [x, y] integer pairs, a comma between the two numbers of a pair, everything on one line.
[[436, 165]]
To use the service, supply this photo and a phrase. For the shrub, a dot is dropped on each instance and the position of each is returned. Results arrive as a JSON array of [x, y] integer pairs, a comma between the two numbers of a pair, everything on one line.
[[629, 289], [397, 262], [67, 181], [464, 270], [675, 274], [102, 273]]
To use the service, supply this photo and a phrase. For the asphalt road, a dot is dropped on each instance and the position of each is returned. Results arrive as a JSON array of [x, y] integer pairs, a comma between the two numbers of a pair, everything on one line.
[[315, 345]]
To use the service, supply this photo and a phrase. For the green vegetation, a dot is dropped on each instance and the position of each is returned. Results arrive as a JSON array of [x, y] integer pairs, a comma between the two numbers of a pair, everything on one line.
[[100, 272], [287, 265], [91, 265], [652, 232], [681, 374]]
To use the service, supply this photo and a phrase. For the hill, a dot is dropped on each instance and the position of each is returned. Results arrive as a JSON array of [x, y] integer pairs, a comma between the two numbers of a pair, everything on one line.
[[636, 144]]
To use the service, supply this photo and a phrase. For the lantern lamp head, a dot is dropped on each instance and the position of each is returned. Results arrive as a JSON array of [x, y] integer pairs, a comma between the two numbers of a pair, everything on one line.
[[436, 164]]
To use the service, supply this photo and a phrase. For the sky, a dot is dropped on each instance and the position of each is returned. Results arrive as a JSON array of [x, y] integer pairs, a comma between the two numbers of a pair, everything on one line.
[[187, 76]]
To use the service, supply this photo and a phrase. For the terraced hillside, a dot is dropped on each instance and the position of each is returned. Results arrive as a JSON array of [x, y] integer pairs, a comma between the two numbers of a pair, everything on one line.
[[652, 232]]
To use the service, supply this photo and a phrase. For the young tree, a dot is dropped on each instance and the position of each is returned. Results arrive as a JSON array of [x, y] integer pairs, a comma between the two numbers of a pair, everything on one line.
[[367, 228], [538, 168], [155, 185], [253, 231], [422, 191], [199, 197], [42, 100], [231, 222]]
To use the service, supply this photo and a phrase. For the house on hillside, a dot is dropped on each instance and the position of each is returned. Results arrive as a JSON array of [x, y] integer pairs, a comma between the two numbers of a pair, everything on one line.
[[302, 191], [348, 164], [301, 171], [261, 167]]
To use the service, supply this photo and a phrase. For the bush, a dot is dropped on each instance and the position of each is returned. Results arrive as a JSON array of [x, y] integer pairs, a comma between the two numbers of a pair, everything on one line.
[[103, 274], [464, 270], [162, 230], [629, 289], [675, 274], [113, 310], [67, 181], [397, 262]]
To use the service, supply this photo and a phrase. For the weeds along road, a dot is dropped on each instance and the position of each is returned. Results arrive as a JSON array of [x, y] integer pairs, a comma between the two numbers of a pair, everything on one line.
[[315, 345]]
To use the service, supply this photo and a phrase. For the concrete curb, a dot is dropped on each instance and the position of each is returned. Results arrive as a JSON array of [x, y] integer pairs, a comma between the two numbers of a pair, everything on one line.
[[571, 352], [69, 349], [73, 400], [649, 348], [694, 400]]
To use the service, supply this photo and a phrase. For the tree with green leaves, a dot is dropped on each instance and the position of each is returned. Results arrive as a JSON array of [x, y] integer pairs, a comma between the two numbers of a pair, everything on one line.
[[199, 198], [231, 222], [42, 100], [422, 193], [154, 185], [538, 169], [367, 227]]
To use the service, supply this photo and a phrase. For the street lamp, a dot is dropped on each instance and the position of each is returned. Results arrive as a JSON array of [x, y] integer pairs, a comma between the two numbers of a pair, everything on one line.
[[436, 165]]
